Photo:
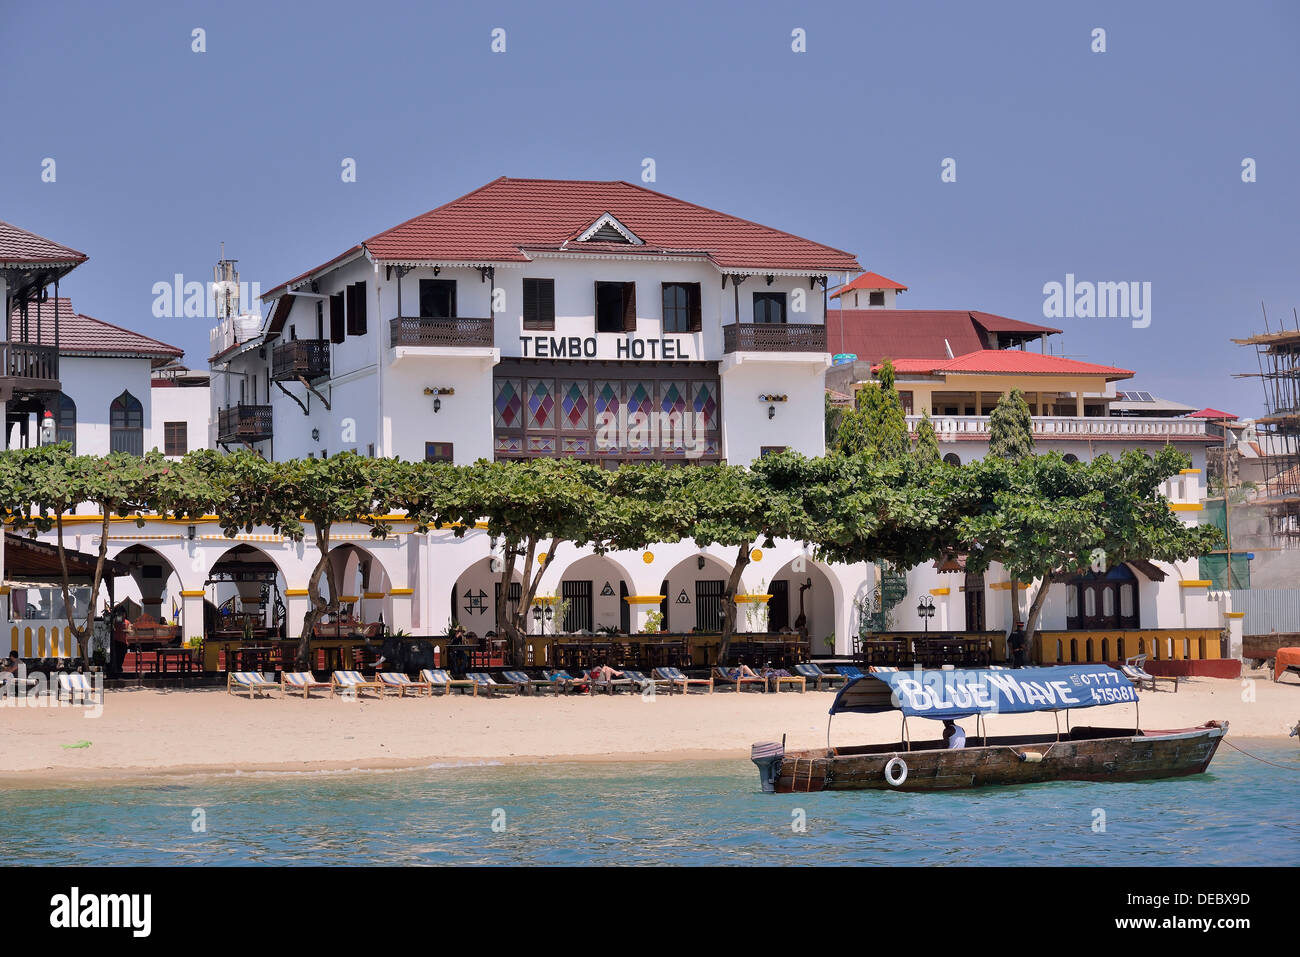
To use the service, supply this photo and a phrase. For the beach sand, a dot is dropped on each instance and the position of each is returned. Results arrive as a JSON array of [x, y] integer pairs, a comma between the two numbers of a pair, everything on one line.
[[146, 732]]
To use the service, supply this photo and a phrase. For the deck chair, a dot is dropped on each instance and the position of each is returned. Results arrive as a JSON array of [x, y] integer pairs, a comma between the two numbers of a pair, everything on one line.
[[401, 682], [527, 685], [850, 672], [486, 684], [441, 678], [1134, 670], [564, 682], [74, 685], [731, 676], [351, 682], [642, 682], [251, 682], [811, 672], [611, 685], [779, 676], [292, 682], [676, 679]]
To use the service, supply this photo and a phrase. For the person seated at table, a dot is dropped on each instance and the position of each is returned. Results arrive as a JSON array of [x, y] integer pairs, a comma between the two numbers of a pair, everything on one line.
[[953, 735]]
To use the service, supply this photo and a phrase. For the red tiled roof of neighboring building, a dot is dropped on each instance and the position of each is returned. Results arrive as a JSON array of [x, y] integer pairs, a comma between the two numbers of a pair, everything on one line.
[[18, 247], [873, 334], [84, 335], [869, 280], [1011, 362], [1211, 414], [498, 221]]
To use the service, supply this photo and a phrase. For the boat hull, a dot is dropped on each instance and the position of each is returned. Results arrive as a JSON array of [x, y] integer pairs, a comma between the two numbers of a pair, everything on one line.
[[1088, 754]]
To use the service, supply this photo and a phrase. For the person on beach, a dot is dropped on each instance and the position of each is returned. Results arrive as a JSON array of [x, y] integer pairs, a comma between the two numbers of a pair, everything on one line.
[[954, 735], [604, 673]]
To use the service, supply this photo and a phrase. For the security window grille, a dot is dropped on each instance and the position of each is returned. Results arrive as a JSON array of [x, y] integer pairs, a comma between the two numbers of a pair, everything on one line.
[[438, 298], [539, 304], [175, 438], [578, 616], [769, 307], [681, 307], [438, 452], [708, 606], [615, 307], [778, 606]]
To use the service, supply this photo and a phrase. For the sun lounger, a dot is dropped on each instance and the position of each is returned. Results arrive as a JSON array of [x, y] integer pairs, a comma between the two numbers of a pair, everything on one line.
[[527, 685], [642, 682], [292, 682], [813, 673], [675, 678], [401, 682], [75, 685], [610, 685], [565, 683], [351, 682], [1135, 672], [733, 677], [441, 678], [486, 684], [251, 682], [850, 672], [779, 676]]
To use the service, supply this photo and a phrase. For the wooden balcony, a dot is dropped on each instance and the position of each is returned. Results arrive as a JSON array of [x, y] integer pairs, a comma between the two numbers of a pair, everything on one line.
[[459, 331], [27, 367], [244, 424], [307, 359], [773, 337]]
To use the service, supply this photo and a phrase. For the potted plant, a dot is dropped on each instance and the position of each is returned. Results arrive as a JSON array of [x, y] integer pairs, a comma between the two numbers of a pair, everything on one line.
[[654, 622]]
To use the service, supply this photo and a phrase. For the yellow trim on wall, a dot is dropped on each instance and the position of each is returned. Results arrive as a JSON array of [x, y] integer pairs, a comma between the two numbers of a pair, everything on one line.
[[546, 600], [374, 594], [295, 593], [349, 598], [1195, 583], [1189, 471], [1000, 586], [1187, 506], [404, 592], [755, 599], [4, 589], [940, 591], [644, 599], [192, 593], [1234, 614]]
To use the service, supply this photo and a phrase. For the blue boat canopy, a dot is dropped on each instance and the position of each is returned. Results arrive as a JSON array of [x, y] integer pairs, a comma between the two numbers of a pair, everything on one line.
[[960, 694]]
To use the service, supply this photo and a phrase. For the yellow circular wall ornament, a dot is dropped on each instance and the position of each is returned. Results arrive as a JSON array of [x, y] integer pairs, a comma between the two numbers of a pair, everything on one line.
[[647, 557], [541, 558], [756, 555]]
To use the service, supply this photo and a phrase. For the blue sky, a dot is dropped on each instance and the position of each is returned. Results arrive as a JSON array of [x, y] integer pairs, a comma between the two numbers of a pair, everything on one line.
[[1115, 166]]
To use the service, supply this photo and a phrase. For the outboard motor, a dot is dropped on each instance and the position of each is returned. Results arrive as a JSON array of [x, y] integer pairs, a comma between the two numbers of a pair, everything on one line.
[[767, 755]]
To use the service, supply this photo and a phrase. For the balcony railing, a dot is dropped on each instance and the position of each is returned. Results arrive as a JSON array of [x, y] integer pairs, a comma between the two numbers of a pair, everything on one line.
[[773, 337], [424, 331], [28, 360], [1073, 426], [301, 359], [244, 423]]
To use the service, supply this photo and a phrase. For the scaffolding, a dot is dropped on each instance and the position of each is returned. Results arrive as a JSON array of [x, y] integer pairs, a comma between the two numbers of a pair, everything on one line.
[[1277, 354]]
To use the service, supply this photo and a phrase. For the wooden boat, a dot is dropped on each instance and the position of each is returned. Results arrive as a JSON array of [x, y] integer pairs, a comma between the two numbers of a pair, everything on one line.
[[1078, 754]]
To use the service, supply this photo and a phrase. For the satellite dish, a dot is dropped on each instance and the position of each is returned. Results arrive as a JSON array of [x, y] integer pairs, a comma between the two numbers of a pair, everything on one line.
[[842, 358]]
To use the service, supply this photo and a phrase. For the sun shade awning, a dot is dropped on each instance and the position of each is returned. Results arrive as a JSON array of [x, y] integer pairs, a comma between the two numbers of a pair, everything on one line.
[[959, 694]]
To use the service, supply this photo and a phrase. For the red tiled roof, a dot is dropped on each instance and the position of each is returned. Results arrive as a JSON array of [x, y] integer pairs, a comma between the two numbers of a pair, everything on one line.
[[1211, 414], [1011, 361], [873, 334], [496, 222], [869, 280], [18, 246], [83, 335]]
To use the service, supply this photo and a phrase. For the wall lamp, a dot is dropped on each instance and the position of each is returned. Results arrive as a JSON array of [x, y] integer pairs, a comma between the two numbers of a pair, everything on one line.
[[315, 435], [436, 392], [772, 398]]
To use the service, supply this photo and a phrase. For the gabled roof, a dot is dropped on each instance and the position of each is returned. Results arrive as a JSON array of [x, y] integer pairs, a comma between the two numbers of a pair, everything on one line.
[[868, 280], [1212, 414], [18, 247], [873, 334], [499, 222], [83, 335], [1010, 362]]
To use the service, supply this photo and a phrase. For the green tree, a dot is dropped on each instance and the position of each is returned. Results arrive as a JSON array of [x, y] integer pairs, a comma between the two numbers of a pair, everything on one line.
[[1011, 429], [875, 425], [926, 450], [834, 415], [1044, 518]]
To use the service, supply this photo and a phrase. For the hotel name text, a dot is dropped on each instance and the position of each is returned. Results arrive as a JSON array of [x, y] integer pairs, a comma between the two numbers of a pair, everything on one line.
[[590, 347]]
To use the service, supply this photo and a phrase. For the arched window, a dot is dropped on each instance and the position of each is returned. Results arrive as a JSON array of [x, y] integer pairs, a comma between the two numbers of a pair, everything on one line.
[[1071, 458], [65, 417], [952, 459], [1102, 601], [126, 425]]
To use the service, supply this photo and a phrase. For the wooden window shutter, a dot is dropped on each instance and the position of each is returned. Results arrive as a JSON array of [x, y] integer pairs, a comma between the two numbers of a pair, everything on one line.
[[357, 310], [629, 307], [350, 308], [530, 304], [337, 333], [546, 302], [693, 305]]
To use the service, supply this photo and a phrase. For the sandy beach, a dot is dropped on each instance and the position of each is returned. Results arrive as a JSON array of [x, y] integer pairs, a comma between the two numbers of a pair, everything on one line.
[[144, 732]]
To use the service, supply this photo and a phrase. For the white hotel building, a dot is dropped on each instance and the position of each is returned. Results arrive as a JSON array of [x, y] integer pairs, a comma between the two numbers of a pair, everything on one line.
[[503, 324]]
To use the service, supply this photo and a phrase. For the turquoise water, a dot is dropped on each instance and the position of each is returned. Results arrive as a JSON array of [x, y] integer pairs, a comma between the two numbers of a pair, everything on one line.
[[698, 812]]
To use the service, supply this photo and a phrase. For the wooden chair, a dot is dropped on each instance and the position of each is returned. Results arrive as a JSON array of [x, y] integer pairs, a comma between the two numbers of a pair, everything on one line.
[[733, 677], [1135, 672]]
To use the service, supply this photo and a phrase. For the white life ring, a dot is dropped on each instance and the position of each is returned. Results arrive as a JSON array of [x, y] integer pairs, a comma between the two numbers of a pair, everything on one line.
[[899, 765]]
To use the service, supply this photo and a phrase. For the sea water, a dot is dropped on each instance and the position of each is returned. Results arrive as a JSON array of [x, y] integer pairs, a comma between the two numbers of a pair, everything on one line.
[[1242, 812]]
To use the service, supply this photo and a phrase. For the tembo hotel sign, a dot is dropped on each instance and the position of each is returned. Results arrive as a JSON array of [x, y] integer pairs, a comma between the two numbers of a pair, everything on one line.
[[605, 347]]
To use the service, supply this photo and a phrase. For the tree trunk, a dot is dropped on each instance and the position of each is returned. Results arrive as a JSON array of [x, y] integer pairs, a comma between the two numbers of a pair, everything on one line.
[[318, 606], [83, 631], [532, 580], [729, 602], [1031, 617]]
